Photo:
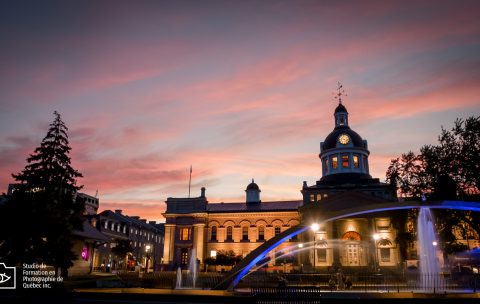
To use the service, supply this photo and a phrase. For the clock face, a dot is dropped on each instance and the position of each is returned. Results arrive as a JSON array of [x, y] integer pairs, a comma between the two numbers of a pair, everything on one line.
[[344, 139]]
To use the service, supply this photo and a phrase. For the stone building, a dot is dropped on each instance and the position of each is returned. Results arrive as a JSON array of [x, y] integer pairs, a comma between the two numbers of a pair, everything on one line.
[[195, 226], [145, 240]]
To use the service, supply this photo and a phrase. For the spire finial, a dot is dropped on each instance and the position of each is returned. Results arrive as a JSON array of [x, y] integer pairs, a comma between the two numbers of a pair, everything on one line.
[[340, 92]]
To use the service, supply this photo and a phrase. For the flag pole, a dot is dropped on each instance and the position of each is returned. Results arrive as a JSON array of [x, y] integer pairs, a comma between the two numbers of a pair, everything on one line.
[[190, 181]]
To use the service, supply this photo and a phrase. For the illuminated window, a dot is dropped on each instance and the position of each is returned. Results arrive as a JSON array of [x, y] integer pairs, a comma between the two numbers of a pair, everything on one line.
[[229, 234], [325, 195], [213, 253], [321, 254], [334, 162], [312, 197], [319, 197], [213, 235], [184, 234], [385, 254], [244, 233], [277, 230], [345, 163], [351, 236], [261, 233], [355, 161]]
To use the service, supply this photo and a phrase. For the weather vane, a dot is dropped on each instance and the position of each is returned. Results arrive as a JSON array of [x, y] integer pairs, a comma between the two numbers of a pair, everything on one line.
[[340, 92]]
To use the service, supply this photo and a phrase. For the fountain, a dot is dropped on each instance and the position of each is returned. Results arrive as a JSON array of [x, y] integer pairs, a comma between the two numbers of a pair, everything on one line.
[[192, 267], [178, 284], [429, 266], [192, 273]]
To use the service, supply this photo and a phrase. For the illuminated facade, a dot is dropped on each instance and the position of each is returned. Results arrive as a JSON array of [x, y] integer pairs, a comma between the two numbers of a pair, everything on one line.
[[346, 183], [193, 223]]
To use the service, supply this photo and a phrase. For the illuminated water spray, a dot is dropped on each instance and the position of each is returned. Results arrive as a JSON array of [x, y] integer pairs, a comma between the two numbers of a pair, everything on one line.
[[427, 242]]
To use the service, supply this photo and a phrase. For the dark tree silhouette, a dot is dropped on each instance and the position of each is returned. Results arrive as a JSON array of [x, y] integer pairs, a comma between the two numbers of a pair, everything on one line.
[[447, 171], [38, 219]]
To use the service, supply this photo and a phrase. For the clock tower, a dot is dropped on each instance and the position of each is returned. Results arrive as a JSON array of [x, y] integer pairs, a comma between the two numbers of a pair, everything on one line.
[[344, 158], [344, 153]]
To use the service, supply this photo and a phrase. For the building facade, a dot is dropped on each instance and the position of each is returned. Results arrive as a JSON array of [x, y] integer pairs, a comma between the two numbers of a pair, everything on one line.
[[196, 227], [133, 243], [199, 229]]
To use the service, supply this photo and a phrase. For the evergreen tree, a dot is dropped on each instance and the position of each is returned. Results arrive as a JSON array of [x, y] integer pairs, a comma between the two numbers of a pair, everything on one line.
[[42, 212]]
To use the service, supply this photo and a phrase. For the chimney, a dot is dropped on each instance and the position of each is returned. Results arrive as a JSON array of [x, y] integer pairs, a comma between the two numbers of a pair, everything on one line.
[[152, 222], [203, 192], [135, 217], [118, 211], [143, 220]]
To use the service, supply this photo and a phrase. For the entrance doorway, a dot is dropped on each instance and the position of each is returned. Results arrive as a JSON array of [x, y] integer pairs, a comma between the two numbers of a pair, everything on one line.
[[184, 256], [352, 249]]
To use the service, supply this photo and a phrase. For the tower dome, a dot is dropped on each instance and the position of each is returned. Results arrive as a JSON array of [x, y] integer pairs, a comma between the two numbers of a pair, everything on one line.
[[252, 193], [344, 153]]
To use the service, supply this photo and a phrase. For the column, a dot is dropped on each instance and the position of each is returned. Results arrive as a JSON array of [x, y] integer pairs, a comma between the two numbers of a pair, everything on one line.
[[169, 242], [199, 240]]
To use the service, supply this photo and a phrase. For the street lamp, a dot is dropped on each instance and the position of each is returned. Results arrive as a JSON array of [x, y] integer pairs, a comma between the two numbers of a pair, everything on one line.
[[147, 248], [315, 227], [376, 237]]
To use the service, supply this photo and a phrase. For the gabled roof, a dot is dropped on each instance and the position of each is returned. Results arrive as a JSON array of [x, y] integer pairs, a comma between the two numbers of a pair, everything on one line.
[[263, 206], [90, 232]]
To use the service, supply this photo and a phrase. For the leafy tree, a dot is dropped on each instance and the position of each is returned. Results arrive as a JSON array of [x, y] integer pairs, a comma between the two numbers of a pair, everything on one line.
[[405, 236], [407, 174], [40, 215], [447, 171]]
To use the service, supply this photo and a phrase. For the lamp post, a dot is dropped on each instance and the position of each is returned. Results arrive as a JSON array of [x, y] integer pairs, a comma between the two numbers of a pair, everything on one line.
[[315, 228], [376, 237], [147, 248]]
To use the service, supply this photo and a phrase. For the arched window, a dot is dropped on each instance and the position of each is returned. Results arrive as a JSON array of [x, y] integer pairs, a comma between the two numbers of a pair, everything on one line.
[[244, 233], [277, 230], [351, 236], [229, 234], [213, 235], [261, 233]]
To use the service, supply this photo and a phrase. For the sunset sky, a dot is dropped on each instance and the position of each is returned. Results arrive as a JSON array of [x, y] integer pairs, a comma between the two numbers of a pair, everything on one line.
[[237, 89]]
